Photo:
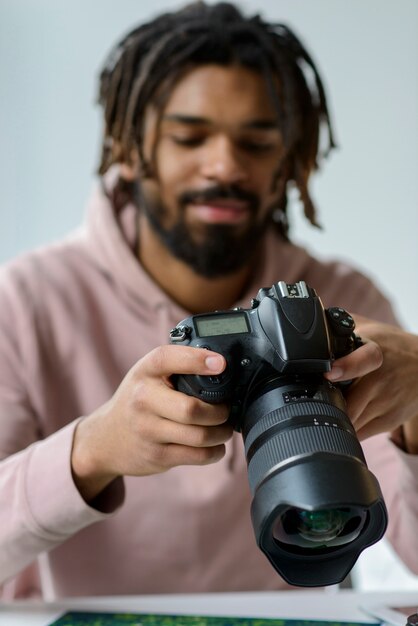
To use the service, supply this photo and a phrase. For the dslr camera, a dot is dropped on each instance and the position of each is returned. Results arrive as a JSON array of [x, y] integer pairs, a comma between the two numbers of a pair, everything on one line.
[[315, 504]]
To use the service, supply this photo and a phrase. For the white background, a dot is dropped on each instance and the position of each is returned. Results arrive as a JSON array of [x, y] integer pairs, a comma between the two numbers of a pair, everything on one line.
[[367, 192]]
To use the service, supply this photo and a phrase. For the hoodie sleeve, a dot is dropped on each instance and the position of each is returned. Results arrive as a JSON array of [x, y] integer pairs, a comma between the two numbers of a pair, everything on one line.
[[40, 506], [397, 473]]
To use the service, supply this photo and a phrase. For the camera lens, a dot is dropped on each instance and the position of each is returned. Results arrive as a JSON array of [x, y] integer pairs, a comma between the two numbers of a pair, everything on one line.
[[316, 505], [315, 530], [287, 422]]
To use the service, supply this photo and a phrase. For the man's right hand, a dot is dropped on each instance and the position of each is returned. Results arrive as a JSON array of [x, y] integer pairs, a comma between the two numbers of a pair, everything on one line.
[[148, 427]]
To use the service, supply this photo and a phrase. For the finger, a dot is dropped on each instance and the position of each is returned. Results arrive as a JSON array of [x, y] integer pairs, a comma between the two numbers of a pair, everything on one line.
[[168, 360], [362, 361], [358, 399], [190, 410], [195, 436], [368, 430], [156, 399], [172, 455], [364, 407], [379, 424]]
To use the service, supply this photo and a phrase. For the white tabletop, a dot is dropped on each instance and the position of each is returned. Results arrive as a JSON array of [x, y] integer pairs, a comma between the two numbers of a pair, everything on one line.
[[341, 605]]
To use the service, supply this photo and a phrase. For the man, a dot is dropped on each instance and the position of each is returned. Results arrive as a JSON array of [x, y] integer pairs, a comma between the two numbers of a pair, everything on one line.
[[117, 482]]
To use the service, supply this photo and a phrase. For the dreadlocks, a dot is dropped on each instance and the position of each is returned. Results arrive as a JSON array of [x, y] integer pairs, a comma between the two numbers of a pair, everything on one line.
[[141, 69]]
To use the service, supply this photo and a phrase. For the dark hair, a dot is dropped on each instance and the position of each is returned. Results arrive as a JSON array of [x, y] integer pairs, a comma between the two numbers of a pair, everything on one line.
[[155, 54]]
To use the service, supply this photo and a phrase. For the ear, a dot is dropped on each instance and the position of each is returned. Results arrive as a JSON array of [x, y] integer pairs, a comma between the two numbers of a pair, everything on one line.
[[129, 171], [130, 167]]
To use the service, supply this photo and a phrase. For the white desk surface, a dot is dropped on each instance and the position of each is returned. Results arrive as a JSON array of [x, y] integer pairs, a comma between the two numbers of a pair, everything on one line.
[[327, 605]]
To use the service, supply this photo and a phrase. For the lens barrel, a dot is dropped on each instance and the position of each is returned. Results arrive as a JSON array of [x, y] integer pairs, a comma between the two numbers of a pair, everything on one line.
[[316, 505]]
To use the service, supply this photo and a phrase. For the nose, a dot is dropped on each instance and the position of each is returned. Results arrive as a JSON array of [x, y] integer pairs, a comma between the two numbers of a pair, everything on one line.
[[222, 162]]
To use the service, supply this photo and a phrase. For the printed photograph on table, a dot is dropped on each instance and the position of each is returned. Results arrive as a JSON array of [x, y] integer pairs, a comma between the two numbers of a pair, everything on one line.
[[136, 619]]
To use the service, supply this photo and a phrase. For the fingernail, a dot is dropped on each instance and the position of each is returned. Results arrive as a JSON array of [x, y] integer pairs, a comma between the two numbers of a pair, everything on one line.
[[335, 373], [214, 363]]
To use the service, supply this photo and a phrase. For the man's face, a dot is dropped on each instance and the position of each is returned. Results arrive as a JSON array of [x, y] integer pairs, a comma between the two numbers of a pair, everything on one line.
[[216, 156]]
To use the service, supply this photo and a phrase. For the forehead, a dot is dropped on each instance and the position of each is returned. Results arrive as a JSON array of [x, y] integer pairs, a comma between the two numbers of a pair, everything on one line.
[[232, 94]]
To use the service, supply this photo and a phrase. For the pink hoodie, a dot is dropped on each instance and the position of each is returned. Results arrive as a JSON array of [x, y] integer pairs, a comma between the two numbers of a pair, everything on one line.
[[74, 317]]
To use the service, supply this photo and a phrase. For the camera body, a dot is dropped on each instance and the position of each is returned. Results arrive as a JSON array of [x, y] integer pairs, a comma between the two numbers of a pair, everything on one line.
[[286, 332], [315, 505]]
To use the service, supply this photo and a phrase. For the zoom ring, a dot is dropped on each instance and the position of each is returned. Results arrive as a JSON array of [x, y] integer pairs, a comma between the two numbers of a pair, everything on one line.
[[297, 410], [288, 444]]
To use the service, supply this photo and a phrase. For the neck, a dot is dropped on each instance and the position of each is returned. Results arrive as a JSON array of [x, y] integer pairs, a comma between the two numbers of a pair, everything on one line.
[[194, 293]]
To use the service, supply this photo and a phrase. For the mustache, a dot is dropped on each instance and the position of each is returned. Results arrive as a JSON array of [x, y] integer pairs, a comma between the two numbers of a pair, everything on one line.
[[220, 192]]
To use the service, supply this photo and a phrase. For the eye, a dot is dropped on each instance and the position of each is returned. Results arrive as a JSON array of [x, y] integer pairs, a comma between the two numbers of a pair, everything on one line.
[[188, 142], [256, 146]]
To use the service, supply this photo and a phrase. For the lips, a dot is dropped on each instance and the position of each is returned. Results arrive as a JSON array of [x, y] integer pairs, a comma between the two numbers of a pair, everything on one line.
[[220, 211]]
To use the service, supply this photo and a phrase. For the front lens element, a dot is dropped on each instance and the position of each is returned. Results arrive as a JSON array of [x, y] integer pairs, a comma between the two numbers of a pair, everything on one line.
[[318, 529]]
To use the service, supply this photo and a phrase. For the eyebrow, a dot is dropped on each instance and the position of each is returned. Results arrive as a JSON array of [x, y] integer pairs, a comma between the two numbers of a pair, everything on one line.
[[192, 120]]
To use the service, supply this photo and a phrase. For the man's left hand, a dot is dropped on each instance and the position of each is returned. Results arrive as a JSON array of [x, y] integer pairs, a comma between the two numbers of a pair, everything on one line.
[[384, 394]]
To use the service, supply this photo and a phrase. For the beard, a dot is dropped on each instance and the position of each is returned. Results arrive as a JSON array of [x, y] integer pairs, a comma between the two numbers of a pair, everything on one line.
[[220, 249]]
